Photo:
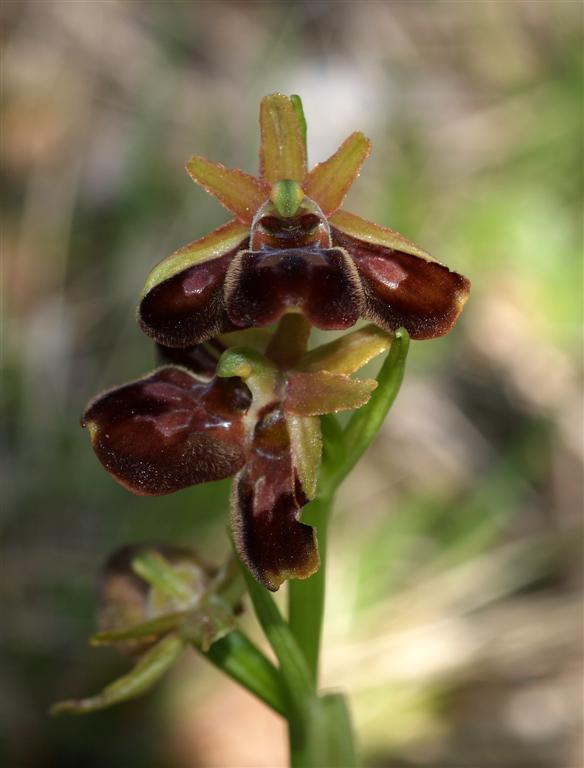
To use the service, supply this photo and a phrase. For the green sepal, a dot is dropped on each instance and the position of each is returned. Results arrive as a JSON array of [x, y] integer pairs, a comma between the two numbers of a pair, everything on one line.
[[153, 628], [143, 676]]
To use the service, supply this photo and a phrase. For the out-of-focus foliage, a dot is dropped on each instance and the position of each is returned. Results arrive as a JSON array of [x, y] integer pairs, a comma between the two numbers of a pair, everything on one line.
[[453, 616]]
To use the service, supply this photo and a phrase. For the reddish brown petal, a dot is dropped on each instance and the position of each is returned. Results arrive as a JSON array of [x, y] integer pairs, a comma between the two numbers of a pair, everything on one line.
[[169, 430], [266, 502], [188, 308], [321, 283], [404, 289]]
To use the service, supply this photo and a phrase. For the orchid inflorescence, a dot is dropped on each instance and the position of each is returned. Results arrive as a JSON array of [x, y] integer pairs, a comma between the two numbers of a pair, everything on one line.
[[290, 249], [233, 398]]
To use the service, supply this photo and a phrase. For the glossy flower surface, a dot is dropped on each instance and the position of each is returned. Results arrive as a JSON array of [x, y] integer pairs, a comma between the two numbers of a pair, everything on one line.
[[245, 414], [292, 248]]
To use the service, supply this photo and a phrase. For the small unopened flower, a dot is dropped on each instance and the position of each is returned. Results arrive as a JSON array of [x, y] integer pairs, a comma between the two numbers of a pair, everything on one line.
[[291, 247], [127, 599], [155, 600], [256, 417]]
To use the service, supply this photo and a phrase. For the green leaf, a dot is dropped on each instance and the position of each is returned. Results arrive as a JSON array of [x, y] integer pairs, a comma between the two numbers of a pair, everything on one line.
[[242, 661], [143, 676], [293, 666], [330, 736], [366, 422]]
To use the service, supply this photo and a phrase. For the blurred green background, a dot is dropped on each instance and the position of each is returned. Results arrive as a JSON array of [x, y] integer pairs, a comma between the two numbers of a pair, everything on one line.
[[453, 615]]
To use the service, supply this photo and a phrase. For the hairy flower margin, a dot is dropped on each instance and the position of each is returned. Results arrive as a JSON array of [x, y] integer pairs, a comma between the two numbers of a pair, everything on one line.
[[233, 400]]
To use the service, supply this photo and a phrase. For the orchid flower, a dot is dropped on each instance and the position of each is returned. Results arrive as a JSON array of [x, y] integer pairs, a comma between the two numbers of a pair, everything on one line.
[[292, 248]]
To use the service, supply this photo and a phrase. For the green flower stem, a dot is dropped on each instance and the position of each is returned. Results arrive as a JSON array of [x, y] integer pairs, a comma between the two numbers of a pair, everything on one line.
[[242, 661], [306, 598], [320, 732], [294, 671]]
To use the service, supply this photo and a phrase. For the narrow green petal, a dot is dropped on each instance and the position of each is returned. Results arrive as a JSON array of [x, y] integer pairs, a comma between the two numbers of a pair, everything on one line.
[[242, 661], [282, 150], [349, 352], [239, 192], [211, 246], [365, 230], [328, 182]]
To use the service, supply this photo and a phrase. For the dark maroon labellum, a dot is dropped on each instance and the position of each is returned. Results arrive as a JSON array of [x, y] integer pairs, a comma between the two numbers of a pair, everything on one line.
[[320, 282]]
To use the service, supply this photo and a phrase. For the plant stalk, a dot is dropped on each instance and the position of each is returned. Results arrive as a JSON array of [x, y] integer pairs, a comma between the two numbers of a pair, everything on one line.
[[306, 598]]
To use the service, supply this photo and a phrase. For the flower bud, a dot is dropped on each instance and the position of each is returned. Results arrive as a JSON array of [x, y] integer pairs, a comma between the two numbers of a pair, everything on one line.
[[126, 599]]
